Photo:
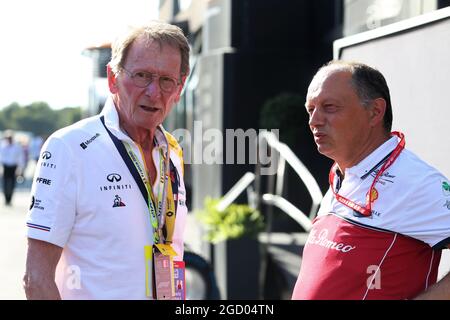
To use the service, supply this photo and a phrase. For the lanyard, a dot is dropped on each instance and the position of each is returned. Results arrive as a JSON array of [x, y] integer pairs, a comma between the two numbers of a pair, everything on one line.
[[154, 214], [162, 213], [367, 209], [139, 174]]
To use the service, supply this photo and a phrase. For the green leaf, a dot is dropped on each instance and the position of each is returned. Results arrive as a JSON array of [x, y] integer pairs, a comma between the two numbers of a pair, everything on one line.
[[236, 221]]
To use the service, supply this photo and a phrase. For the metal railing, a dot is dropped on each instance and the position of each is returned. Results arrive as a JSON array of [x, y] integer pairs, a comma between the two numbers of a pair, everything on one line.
[[252, 183], [274, 196], [275, 192]]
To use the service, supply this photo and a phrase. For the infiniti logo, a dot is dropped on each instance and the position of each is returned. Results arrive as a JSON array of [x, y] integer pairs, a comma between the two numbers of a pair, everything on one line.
[[46, 155], [114, 177]]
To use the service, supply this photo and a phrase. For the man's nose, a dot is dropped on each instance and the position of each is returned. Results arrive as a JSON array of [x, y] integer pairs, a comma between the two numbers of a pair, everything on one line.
[[153, 90], [316, 118]]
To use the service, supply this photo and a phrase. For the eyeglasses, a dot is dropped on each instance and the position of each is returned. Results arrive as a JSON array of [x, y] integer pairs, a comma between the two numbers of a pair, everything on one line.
[[142, 79]]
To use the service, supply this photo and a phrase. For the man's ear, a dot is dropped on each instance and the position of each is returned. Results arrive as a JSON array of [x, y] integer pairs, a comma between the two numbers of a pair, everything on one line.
[[377, 111], [112, 80]]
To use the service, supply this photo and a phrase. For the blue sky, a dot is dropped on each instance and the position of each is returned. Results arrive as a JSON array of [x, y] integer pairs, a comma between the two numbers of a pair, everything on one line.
[[42, 40]]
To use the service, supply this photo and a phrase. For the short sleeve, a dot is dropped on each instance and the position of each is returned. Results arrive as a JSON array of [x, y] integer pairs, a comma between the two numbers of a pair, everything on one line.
[[325, 204], [53, 194], [428, 212]]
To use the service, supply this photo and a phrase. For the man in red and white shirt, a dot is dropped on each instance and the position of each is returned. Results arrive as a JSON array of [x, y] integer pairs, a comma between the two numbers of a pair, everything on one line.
[[386, 217]]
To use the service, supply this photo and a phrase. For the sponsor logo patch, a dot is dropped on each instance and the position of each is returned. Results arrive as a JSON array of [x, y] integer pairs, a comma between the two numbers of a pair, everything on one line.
[[374, 195], [36, 203], [113, 177], [321, 239], [44, 181], [48, 165], [376, 213], [85, 144], [118, 202], [116, 187], [447, 204], [386, 177], [46, 155], [32, 202], [446, 188]]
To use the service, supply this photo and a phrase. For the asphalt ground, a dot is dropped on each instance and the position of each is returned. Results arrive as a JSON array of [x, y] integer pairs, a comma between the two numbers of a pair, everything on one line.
[[13, 245]]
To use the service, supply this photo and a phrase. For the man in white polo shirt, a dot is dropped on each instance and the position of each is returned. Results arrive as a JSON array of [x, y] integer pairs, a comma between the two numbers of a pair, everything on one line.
[[108, 197], [13, 161], [386, 217]]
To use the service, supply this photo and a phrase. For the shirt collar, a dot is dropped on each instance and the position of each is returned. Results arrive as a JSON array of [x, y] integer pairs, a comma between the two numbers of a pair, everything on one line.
[[111, 116], [375, 159]]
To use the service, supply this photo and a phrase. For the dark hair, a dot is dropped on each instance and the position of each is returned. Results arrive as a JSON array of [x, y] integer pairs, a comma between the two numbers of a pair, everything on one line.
[[369, 84]]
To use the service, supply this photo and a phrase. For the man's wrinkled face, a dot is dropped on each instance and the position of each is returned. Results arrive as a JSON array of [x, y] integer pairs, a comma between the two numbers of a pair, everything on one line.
[[147, 107], [338, 120]]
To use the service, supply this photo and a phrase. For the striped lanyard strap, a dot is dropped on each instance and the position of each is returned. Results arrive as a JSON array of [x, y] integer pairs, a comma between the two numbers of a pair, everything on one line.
[[161, 209], [367, 209]]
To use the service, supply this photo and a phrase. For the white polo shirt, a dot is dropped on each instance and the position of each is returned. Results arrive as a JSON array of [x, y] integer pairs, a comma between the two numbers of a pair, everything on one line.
[[395, 253], [85, 200], [12, 154]]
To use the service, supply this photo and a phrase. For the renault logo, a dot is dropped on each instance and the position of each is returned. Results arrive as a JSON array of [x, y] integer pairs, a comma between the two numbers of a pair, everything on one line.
[[114, 177], [46, 155]]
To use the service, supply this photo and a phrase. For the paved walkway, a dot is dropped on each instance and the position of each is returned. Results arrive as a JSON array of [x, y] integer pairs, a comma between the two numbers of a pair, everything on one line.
[[13, 245]]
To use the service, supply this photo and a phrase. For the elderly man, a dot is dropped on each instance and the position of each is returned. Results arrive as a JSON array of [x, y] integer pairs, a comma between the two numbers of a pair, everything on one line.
[[384, 221], [108, 197]]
